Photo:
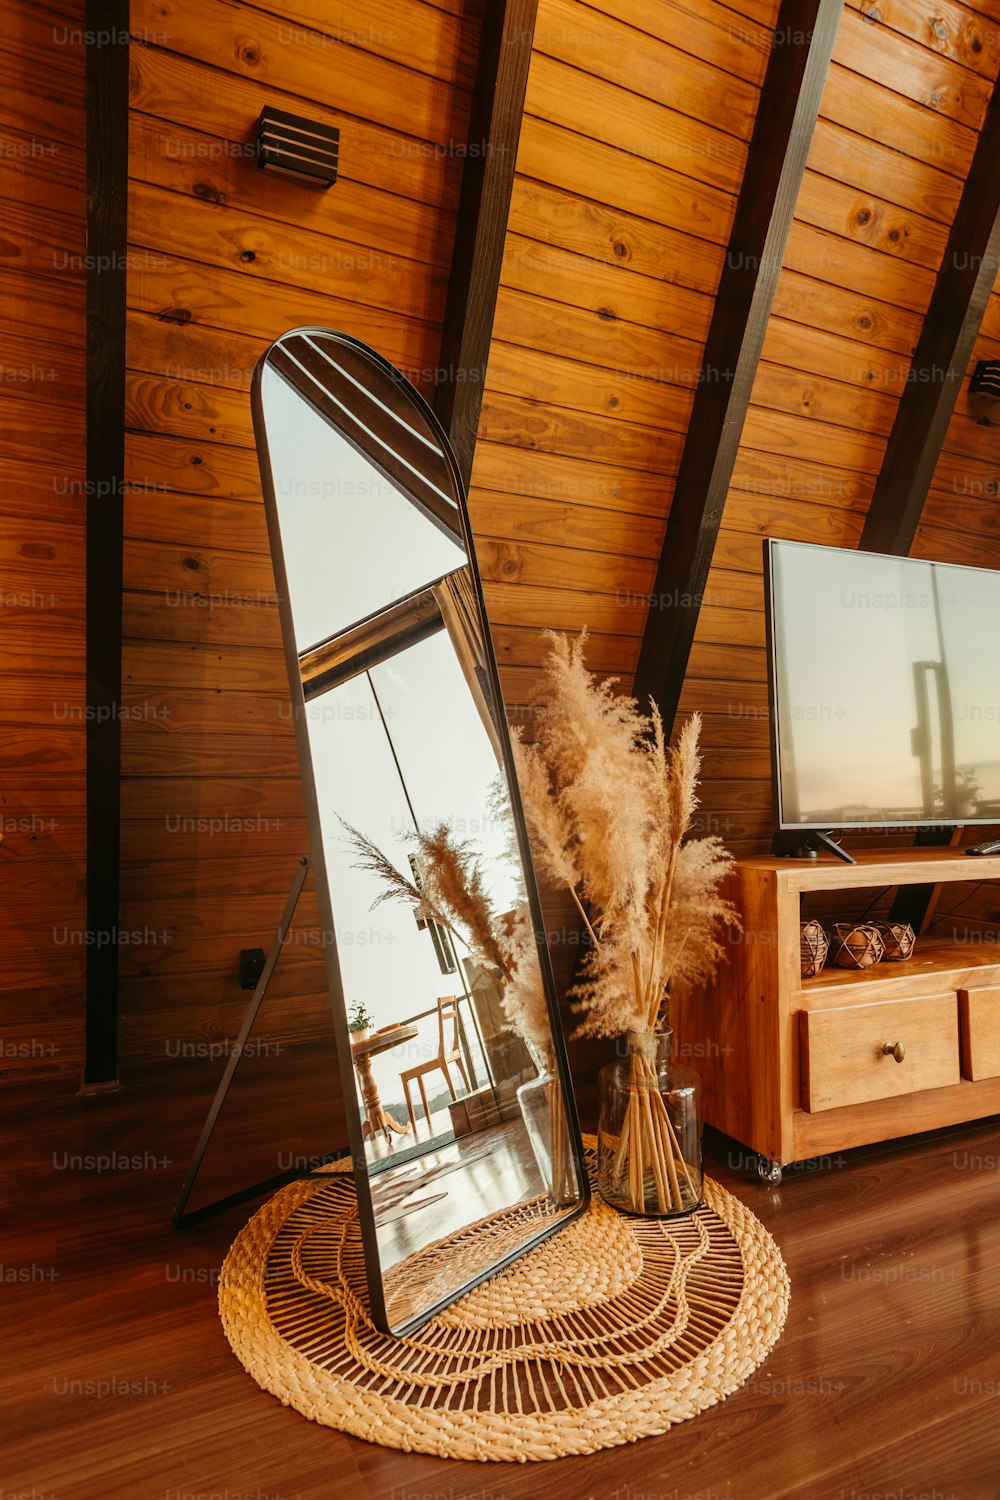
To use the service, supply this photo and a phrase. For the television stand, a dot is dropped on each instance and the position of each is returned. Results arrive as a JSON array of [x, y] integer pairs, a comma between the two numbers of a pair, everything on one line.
[[799, 1069], [806, 843]]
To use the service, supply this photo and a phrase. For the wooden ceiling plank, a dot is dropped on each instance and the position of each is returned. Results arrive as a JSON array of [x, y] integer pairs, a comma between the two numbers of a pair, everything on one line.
[[483, 211], [954, 316], [786, 117]]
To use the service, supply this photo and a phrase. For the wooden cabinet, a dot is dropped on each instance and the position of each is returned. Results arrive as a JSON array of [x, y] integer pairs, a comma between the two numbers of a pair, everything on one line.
[[797, 1068]]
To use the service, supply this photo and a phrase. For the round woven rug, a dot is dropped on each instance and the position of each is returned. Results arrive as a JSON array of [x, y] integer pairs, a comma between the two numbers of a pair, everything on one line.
[[614, 1329]]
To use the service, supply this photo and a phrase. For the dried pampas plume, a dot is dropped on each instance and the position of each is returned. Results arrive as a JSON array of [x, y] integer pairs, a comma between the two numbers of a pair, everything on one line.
[[452, 880], [450, 890], [609, 805], [523, 998]]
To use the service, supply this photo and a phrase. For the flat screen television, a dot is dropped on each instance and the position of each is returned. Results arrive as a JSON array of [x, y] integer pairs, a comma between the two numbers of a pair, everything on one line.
[[884, 679]]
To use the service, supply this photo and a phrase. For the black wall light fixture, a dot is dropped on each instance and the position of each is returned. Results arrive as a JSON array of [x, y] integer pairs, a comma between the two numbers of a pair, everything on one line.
[[297, 147], [986, 379]]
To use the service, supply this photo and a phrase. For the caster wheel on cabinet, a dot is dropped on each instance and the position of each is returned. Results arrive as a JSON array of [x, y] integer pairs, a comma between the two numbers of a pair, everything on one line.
[[769, 1171]]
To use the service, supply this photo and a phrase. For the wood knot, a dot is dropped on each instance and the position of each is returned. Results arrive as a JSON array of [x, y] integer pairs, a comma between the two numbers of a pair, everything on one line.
[[192, 564], [863, 216], [621, 249], [248, 257], [248, 52], [864, 321], [208, 193], [508, 565], [606, 314], [174, 315]]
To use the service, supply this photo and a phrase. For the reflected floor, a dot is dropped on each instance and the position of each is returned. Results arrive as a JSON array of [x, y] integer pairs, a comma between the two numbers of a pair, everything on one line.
[[450, 1186], [382, 1153]]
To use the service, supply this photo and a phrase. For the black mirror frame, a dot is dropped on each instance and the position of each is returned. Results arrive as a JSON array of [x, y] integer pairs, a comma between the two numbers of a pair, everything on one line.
[[334, 980]]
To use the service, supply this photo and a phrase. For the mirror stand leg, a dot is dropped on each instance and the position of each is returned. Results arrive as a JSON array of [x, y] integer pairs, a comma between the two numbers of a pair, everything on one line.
[[180, 1218]]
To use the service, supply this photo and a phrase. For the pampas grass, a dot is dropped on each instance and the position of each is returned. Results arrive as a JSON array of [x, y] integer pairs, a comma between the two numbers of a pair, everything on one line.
[[451, 878], [609, 807], [451, 892], [449, 889]]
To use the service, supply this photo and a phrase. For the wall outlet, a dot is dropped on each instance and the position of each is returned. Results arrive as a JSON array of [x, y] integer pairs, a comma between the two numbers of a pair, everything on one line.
[[252, 962]]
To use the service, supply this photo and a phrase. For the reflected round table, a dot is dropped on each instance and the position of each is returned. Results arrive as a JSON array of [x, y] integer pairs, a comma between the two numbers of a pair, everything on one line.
[[378, 1118]]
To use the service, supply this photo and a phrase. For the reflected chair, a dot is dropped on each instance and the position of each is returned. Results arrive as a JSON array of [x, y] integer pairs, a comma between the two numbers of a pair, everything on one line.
[[449, 1051]]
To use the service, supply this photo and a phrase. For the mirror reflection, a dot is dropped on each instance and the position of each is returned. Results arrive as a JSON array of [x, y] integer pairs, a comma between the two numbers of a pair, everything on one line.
[[460, 1117]]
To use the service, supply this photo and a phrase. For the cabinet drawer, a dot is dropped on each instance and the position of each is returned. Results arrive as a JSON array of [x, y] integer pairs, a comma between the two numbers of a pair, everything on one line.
[[979, 1021], [843, 1061]]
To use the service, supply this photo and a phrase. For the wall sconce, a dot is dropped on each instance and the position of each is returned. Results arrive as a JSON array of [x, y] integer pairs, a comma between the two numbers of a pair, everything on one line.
[[297, 147], [986, 379]]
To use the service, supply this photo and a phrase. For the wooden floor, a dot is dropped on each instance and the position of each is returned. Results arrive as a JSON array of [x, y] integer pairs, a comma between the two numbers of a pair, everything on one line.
[[117, 1381]]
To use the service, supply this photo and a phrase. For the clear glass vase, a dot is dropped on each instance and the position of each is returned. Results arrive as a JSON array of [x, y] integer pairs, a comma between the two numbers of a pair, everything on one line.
[[649, 1131], [544, 1115]]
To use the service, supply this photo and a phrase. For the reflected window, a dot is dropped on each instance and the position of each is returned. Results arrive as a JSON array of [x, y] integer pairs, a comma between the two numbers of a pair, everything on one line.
[[352, 540]]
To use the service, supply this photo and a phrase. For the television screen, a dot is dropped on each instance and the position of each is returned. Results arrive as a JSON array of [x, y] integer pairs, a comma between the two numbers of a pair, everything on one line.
[[884, 689]]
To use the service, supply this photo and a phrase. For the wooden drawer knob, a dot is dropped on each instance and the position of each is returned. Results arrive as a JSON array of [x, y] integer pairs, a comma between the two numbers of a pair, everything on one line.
[[896, 1050]]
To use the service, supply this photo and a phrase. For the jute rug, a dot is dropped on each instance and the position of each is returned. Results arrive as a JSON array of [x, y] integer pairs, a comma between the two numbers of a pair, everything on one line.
[[614, 1329]]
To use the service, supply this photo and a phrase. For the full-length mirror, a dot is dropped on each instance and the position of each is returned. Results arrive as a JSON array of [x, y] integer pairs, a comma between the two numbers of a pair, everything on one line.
[[465, 1142]]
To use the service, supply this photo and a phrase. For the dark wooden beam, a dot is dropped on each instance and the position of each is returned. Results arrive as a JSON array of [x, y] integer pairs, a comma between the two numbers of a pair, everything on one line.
[[804, 36], [107, 193], [359, 649], [961, 292], [484, 207]]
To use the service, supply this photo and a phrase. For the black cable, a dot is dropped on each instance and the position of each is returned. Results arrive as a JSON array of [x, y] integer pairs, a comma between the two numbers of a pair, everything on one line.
[[942, 916]]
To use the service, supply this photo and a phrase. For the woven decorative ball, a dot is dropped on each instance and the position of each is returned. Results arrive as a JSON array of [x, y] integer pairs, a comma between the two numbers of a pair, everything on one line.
[[898, 939], [814, 945], [855, 945]]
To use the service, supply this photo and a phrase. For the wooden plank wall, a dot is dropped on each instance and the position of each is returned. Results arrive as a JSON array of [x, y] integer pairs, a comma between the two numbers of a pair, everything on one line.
[[621, 212], [633, 148], [42, 508], [637, 120], [632, 152], [961, 518], [222, 259], [898, 124]]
